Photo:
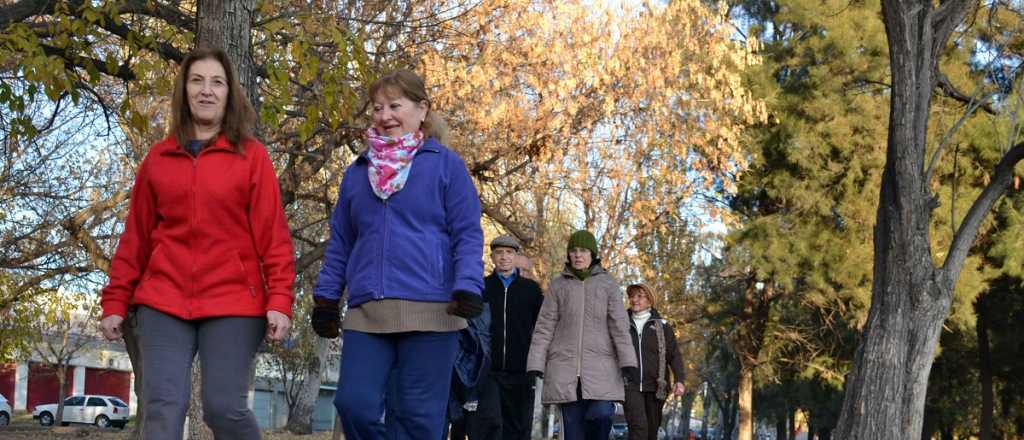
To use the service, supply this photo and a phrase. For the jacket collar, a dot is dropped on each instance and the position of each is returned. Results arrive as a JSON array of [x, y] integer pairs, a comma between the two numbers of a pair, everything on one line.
[[429, 145], [595, 269], [171, 147], [654, 314]]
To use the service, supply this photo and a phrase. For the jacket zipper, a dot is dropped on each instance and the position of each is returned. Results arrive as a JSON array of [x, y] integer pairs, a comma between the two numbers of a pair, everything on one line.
[[583, 314], [380, 290], [192, 234], [504, 329], [640, 343]]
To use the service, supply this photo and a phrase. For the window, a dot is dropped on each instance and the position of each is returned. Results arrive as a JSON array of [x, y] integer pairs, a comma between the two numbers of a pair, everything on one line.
[[118, 402], [96, 401], [74, 401]]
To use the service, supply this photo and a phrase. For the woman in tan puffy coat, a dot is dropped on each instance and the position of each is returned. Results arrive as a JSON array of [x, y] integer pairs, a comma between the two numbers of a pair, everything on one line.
[[581, 345]]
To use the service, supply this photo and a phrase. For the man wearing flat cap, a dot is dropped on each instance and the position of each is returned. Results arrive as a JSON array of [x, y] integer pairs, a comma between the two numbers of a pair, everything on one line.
[[515, 301]]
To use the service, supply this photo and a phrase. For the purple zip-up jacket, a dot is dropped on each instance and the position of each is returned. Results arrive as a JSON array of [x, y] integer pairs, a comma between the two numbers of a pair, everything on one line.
[[422, 244]]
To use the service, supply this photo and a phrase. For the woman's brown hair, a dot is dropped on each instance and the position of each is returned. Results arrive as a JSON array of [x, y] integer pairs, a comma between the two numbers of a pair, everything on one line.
[[239, 116], [634, 289], [407, 83]]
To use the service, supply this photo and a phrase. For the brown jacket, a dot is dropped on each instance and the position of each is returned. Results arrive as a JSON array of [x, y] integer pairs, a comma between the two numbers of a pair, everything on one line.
[[582, 331]]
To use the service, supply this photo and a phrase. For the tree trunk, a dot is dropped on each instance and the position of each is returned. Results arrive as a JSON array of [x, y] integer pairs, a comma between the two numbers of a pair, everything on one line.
[[130, 330], [197, 429], [62, 372], [227, 24], [985, 371], [685, 410], [781, 431], [791, 418], [704, 416], [746, 402], [300, 419], [885, 389]]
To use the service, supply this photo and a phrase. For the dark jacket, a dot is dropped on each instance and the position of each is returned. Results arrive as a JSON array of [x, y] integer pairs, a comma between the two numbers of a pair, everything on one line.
[[513, 315], [649, 354], [472, 363], [422, 244]]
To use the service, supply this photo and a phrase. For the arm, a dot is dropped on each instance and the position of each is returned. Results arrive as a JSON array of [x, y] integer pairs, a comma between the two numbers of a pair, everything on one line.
[[543, 332], [462, 213], [618, 328], [270, 233], [673, 356], [134, 248], [331, 281]]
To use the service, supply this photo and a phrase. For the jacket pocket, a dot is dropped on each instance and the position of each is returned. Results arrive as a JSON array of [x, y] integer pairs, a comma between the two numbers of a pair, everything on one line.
[[154, 261], [245, 273]]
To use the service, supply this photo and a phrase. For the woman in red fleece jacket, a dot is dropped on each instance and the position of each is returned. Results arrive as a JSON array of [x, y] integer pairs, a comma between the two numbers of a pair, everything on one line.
[[205, 256]]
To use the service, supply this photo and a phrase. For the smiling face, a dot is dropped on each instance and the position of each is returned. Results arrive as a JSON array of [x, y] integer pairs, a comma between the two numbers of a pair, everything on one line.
[[504, 259], [395, 115], [207, 89], [638, 301]]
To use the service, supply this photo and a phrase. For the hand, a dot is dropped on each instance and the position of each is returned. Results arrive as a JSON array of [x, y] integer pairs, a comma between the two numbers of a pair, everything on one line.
[[534, 375], [277, 325], [466, 304], [111, 327], [326, 317], [631, 375], [679, 389]]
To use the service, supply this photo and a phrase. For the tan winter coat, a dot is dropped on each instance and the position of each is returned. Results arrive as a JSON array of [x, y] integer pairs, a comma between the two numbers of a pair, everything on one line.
[[582, 331]]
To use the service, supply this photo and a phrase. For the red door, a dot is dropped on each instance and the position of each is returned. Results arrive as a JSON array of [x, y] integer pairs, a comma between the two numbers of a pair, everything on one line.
[[43, 384], [7, 381], [108, 382]]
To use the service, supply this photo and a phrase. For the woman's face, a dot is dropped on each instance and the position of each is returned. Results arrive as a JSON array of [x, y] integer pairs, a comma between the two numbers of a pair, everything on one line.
[[207, 88], [639, 302], [580, 258], [394, 115]]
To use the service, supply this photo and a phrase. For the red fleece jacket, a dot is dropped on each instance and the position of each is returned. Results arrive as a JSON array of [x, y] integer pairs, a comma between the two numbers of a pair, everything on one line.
[[205, 236]]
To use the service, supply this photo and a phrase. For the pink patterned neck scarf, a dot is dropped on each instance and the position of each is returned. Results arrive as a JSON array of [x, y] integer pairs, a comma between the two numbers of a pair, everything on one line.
[[390, 160]]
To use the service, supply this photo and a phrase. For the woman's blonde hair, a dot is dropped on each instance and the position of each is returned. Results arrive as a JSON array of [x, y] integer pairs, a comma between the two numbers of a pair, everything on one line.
[[634, 289], [407, 83]]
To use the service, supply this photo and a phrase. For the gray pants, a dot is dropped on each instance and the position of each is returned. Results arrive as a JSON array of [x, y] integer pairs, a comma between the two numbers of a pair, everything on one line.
[[226, 348]]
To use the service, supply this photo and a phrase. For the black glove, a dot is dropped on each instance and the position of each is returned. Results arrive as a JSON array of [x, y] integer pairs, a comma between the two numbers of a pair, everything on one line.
[[466, 304], [534, 375], [631, 375], [326, 317]]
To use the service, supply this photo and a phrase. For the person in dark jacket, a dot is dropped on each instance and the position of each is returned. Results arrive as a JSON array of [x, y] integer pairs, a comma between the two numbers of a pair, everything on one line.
[[407, 246], [515, 302], [471, 402], [658, 355]]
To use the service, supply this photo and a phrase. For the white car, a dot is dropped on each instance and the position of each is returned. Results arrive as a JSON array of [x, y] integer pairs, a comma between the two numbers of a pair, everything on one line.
[[5, 411], [102, 411]]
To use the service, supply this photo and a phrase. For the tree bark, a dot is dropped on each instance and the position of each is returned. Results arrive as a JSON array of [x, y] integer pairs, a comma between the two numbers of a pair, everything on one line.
[[300, 419], [227, 24], [197, 429], [746, 402], [130, 330], [885, 390], [985, 371]]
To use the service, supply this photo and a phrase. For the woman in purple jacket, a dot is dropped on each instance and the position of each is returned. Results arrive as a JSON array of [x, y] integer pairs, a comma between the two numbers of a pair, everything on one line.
[[406, 244]]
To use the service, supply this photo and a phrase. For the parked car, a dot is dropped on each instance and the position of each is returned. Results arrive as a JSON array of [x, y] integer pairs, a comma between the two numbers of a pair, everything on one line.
[[102, 411], [5, 411]]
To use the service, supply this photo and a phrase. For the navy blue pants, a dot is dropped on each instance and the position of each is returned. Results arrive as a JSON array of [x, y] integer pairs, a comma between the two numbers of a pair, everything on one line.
[[419, 363], [587, 419]]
